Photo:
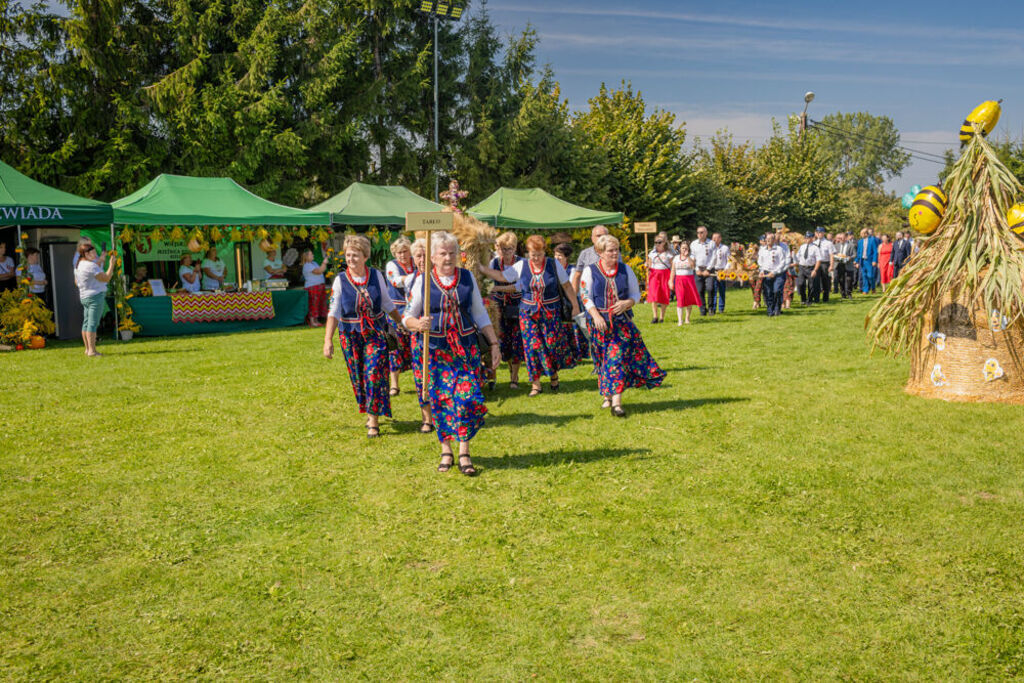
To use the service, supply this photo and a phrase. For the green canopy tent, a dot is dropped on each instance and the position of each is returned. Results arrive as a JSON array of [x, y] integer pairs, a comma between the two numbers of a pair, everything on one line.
[[535, 209], [173, 200], [187, 200], [361, 204], [26, 202]]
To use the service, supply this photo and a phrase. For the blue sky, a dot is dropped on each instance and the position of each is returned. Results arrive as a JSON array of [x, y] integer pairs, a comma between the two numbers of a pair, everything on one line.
[[734, 64]]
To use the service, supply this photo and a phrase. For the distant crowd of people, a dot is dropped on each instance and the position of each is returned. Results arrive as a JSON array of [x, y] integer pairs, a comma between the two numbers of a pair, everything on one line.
[[822, 263]]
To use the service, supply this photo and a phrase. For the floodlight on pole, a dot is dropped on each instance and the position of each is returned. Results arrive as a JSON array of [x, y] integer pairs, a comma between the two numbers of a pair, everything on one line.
[[808, 98], [446, 9]]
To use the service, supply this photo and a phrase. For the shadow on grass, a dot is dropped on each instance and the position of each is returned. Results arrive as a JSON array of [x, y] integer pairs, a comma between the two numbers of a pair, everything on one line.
[[678, 404], [553, 458], [114, 351], [498, 419]]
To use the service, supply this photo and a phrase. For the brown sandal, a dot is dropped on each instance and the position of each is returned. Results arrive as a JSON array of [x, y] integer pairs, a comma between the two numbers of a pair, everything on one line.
[[467, 470], [445, 466]]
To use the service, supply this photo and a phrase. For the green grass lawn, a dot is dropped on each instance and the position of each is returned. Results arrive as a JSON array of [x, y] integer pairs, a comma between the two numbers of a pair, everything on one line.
[[211, 507]]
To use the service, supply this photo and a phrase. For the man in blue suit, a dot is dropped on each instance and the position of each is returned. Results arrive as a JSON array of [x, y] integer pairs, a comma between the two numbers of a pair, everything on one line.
[[867, 260], [900, 253]]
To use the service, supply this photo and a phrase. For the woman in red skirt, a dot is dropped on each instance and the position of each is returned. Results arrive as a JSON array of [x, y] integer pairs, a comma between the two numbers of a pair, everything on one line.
[[659, 271], [684, 283], [316, 287]]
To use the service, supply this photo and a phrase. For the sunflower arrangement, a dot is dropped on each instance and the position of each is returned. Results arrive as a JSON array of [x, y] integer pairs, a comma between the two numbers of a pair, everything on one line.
[[968, 273]]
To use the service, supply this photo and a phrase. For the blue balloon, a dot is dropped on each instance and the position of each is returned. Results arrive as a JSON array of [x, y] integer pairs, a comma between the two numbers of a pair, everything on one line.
[[915, 190], [908, 200]]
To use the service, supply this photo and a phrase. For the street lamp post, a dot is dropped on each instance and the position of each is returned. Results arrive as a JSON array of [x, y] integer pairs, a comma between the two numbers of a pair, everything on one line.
[[808, 98], [449, 9]]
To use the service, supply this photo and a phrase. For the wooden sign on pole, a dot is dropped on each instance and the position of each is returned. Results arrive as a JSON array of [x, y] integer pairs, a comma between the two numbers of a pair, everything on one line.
[[645, 228], [428, 222]]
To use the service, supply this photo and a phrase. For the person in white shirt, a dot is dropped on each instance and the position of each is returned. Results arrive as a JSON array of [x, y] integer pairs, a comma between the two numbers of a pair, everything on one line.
[[684, 284], [659, 271], [455, 317], [588, 256], [701, 251], [609, 291], [35, 271], [826, 262], [92, 291], [189, 274], [213, 270], [7, 270], [773, 261], [359, 306], [807, 263], [719, 259], [316, 287], [273, 267]]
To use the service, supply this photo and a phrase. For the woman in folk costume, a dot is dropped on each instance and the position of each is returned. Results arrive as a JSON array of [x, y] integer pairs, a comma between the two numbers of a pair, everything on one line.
[[419, 251], [659, 270], [610, 289], [396, 272], [359, 302], [456, 313], [540, 280], [508, 308], [578, 343]]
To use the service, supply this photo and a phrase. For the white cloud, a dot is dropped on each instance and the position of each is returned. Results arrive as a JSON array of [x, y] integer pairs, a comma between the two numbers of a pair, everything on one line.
[[923, 31]]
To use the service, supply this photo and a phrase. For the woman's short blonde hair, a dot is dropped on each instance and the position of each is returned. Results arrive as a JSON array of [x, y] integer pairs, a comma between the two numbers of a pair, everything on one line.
[[605, 241], [418, 246], [507, 240], [357, 242], [443, 239], [400, 244]]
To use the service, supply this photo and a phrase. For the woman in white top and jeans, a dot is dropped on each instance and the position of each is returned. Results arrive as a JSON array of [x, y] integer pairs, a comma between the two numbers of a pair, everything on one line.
[[92, 290]]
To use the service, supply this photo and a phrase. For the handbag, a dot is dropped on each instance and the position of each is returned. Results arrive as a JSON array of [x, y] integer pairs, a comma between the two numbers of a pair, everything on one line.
[[566, 305]]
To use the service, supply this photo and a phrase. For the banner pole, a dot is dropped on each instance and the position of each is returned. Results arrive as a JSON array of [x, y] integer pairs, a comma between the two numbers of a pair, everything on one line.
[[427, 275], [117, 274]]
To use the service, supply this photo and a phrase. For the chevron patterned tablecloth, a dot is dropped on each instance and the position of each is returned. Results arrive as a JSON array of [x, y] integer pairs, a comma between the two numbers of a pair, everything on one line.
[[205, 308]]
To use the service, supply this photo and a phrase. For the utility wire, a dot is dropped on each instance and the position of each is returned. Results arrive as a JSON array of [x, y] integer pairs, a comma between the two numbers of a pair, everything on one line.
[[850, 137], [876, 141]]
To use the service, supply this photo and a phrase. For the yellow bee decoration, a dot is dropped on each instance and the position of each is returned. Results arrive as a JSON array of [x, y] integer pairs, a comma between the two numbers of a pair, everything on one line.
[[927, 210], [1015, 218], [986, 115], [992, 370], [938, 340], [938, 379]]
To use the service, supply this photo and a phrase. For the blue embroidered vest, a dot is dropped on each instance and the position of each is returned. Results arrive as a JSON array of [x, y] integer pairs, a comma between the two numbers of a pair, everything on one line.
[[440, 303], [397, 294], [550, 296], [350, 320], [599, 287], [507, 299]]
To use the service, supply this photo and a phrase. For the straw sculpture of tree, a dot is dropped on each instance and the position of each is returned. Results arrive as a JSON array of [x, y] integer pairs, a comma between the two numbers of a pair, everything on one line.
[[972, 256]]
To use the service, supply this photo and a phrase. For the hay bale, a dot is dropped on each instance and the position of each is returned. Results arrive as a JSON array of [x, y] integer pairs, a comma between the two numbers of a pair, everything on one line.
[[957, 343]]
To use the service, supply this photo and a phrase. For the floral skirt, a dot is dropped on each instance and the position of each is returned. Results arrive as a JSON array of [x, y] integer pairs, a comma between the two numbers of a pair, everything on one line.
[[755, 289], [367, 358], [456, 399], [545, 344], [400, 358], [788, 287], [417, 367], [579, 347], [511, 340], [623, 359], [317, 301]]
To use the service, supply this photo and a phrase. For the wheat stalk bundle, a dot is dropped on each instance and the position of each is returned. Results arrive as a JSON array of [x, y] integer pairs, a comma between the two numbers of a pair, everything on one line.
[[969, 270]]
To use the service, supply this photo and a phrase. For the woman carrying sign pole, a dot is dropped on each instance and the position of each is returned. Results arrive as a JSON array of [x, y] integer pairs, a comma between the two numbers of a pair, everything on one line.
[[446, 306]]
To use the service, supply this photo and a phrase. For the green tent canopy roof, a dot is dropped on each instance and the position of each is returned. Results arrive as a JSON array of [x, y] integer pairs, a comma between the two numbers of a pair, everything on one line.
[[187, 200], [535, 209], [24, 201], [361, 204]]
